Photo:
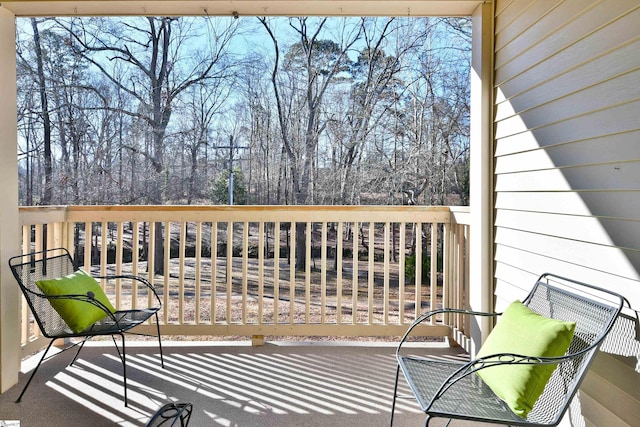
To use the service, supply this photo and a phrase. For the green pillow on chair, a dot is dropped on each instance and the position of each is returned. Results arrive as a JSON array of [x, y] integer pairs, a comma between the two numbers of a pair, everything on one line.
[[524, 332], [78, 315]]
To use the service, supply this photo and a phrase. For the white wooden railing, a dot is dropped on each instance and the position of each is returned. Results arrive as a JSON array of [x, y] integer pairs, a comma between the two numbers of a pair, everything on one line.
[[248, 287]]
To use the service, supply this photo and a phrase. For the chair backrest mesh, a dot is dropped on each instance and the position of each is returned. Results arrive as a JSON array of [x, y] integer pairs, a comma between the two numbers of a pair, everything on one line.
[[28, 269], [594, 314]]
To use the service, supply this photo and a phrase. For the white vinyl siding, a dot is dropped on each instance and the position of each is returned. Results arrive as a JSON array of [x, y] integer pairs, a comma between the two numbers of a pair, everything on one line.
[[567, 167]]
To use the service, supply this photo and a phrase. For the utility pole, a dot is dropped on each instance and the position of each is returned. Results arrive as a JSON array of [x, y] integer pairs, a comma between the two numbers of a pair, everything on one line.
[[231, 147]]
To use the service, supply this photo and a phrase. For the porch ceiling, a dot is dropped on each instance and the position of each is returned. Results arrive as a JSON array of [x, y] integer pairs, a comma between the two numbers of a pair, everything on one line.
[[244, 7]]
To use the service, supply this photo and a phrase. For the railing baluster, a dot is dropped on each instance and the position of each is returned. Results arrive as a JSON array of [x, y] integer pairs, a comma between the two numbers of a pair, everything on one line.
[[88, 245], [182, 248], [401, 271], [166, 270], [433, 273], [26, 239], [104, 245], [467, 277], [39, 237], [292, 271], [339, 273], [307, 273], [135, 259], [447, 269], [418, 270], [245, 258], [214, 272], [371, 273], [68, 237], [229, 269], [323, 274], [151, 250], [276, 272], [51, 242], [459, 272], [198, 269], [354, 275], [261, 272], [387, 226], [118, 246]]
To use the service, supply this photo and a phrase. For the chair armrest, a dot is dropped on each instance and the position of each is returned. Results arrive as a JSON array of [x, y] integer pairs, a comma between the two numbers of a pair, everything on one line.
[[427, 315], [132, 277], [499, 359]]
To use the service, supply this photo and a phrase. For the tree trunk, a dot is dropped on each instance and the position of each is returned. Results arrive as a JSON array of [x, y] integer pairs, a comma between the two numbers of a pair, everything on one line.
[[44, 114]]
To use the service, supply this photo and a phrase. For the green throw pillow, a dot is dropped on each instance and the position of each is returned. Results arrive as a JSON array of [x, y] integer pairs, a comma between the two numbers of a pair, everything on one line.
[[522, 331], [78, 315]]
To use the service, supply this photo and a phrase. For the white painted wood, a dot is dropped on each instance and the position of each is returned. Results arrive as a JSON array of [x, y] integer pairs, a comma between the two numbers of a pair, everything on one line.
[[10, 299], [135, 259], [182, 239], [276, 273], [245, 7], [198, 315], [261, 233], [256, 308], [214, 271], [481, 168], [245, 257]]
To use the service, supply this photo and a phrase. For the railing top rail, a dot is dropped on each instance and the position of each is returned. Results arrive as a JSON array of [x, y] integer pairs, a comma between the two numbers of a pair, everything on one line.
[[461, 215], [222, 213]]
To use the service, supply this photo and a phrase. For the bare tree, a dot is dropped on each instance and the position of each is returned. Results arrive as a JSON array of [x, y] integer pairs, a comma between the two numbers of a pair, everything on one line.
[[152, 49], [355, 110], [318, 61], [44, 115]]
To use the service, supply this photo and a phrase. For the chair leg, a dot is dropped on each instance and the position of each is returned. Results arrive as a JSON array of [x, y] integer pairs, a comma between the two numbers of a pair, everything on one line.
[[124, 371], [34, 372], [395, 394], [80, 347], [123, 358], [159, 342]]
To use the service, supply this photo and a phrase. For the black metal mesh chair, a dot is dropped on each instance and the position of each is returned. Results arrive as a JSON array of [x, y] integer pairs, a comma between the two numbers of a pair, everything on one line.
[[451, 389], [56, 263], [172, 415]]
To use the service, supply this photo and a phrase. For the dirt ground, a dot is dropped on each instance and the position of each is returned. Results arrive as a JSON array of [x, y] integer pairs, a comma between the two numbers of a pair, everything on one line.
[[200, 301]]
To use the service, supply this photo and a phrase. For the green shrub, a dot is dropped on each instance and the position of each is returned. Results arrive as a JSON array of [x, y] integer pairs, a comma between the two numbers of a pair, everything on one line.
[[410, 267]]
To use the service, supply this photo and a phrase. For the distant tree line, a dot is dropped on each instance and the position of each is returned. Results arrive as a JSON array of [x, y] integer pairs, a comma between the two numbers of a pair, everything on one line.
[[320, 110]]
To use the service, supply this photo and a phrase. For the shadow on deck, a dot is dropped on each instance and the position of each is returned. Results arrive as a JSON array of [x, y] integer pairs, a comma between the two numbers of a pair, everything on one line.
[[229, 383]]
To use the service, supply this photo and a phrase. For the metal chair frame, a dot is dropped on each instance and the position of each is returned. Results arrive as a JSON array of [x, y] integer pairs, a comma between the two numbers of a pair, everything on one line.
[[172, 415], [53, 263], [450, 389]]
